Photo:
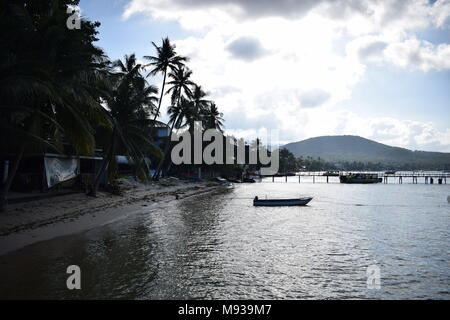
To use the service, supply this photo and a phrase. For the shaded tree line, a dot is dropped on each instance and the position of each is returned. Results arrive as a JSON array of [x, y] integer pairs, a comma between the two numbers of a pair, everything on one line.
[[288, 162], [58, 88]]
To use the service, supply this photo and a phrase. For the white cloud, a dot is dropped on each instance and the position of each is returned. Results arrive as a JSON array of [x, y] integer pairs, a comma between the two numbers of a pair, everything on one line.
[[273, 64], [416, 54]]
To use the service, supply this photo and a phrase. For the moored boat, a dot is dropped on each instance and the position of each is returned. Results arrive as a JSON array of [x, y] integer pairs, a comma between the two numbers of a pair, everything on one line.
[[281, 202], [360, 178], [331, 174]]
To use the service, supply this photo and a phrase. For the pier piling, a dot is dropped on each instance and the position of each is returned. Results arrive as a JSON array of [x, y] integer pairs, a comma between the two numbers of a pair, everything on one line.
[[413, 177]]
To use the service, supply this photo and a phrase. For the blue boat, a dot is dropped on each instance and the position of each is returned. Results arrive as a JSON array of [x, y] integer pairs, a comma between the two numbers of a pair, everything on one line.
[[281, 202]]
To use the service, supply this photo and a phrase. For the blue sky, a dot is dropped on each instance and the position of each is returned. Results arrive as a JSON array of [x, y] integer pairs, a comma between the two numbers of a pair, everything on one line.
[[379, 69]]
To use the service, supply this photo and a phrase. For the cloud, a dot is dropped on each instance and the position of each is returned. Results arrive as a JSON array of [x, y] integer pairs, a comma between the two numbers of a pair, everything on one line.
[[246, 48], [274, 64], [413, 13], [307, 123], [240, 8], [313, 98], [371, 50], [404, 52], [418, 54]]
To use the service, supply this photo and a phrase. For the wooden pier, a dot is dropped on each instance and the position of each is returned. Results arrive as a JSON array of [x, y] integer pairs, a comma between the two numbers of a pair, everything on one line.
[[416, 177]]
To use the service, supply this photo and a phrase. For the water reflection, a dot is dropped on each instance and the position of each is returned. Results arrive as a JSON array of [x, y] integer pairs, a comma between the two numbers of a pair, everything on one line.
[[220, 246]]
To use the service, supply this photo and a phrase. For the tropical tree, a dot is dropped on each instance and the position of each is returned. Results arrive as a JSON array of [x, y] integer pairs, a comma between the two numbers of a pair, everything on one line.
[[130, 105], [166, 59], [199, 106], [213, 118], [179, 116], [180, 88], [180, 84], [51, 81]]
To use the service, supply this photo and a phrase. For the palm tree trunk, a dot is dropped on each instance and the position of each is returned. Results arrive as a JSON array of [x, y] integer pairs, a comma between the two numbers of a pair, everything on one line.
[[166, 151], [105, 164], [5, 188], [160, 99]]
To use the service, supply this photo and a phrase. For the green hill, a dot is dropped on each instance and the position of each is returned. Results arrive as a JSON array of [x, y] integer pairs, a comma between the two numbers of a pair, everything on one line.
[[354, 148]]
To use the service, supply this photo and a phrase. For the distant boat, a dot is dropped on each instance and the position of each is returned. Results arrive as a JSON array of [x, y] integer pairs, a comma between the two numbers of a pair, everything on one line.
[[331, 173], [249, 180], [285, 174], [390, 172], [234, 180], [360, 178], [281, 202], [229, 185]]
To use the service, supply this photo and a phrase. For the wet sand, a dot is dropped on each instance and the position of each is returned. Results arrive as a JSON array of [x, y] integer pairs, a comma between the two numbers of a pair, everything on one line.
[[30, 222]]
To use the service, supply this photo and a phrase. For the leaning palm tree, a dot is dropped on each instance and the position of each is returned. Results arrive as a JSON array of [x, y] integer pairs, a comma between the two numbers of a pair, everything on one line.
[[180, 88], [130, 106], [165, 60]]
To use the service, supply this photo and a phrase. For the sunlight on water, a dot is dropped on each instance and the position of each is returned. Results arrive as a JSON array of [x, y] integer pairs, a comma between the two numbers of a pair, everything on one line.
[[220, 246]]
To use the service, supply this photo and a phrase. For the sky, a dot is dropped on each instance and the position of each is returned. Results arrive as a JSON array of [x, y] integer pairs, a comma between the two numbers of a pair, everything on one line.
[[379, 69]]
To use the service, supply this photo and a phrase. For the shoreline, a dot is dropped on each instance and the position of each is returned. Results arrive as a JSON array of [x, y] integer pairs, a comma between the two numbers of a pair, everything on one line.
[[40, 220]]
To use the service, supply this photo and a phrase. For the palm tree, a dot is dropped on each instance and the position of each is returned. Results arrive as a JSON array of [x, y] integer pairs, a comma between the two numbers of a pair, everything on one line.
[[199, 105], [166, 59], [131, 103], [179, 117], [181, 84], [180, 87], [51, 81], [213, 118], [181, 114]]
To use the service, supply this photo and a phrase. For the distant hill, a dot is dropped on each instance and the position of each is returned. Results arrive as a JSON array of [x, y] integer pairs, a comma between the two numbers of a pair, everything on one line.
[[354, 148]]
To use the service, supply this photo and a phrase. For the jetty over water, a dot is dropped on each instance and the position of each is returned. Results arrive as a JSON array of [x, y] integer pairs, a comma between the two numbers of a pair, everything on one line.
[[432, 177]]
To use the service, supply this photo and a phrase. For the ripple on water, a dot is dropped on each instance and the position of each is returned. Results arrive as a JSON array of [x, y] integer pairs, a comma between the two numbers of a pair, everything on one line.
[[220, 246]]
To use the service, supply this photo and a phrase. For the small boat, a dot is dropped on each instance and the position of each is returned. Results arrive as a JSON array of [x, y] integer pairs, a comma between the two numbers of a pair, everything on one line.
[[281, 202], [249, 180], [331, 174], [229, 185], [285, 174], [360, 178]]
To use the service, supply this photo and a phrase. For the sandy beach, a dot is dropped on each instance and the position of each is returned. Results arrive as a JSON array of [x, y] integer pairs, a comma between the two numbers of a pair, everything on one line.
[[34, 221]]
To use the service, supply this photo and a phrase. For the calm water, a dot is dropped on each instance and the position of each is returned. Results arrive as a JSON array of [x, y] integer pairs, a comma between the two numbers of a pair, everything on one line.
[[220, 246]]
